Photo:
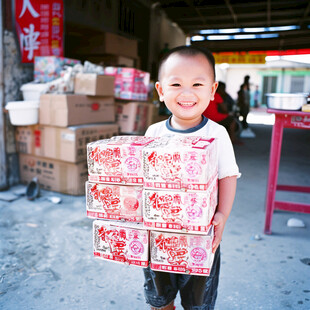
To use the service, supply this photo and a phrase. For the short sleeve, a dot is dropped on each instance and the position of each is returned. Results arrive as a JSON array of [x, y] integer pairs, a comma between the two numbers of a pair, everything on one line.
[[227, 166]]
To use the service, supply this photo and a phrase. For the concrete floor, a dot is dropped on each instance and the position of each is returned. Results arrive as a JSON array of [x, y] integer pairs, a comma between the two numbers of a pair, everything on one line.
[[46, 257]]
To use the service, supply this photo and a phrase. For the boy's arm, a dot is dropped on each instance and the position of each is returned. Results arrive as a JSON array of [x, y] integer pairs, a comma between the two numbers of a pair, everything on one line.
[[226, 193]]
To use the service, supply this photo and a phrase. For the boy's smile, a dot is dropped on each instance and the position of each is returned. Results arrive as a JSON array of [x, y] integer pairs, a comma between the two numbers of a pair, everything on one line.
[[186, 86]]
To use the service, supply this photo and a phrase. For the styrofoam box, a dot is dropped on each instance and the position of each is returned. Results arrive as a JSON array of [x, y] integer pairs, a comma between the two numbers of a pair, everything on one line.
[[33, 91], [112, 201], [182, 253], [23, 113], [126, 243]]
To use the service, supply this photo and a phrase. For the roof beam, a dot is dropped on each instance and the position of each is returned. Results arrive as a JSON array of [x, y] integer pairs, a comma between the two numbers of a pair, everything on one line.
[[237, 7], [192, 28], [249, 15], [302, 21], [255, 45], [231, 10], [202, 18], [268, 13]]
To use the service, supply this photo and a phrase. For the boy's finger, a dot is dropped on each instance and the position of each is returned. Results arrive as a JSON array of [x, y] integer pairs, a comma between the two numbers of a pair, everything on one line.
[[215, 244], [214, 247]]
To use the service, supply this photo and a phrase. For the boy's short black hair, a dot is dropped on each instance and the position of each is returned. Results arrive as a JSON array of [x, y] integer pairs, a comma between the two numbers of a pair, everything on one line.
[[188, 50]]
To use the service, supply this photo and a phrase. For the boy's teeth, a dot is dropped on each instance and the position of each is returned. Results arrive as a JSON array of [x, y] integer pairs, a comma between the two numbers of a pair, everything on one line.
[[187, 103]]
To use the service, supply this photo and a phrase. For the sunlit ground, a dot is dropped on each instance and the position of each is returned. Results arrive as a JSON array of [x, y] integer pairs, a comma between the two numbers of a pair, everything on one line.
[[260, 116]]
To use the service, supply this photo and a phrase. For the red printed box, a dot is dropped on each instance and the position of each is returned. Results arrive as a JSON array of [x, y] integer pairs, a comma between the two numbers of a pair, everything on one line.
[[130, 83], [178, 162], [181, 253], [180, 211], [126, 243], [116, 202], [117, 160]]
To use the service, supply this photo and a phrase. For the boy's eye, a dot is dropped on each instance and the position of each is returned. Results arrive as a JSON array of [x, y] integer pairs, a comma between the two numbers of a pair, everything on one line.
[[175, 84], [197, 84]]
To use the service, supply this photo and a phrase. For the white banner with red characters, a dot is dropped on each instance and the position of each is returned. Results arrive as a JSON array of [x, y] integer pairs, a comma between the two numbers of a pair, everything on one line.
[[39, 27]]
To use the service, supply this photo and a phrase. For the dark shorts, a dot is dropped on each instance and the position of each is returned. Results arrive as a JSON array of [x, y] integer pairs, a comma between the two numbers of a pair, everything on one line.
[[197, 292]]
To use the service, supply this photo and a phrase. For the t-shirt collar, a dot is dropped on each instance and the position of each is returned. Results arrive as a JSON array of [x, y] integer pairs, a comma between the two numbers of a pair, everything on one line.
[[189, 130]]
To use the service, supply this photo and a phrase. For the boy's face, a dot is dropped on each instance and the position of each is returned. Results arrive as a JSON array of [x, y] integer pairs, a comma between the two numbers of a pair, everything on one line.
[[186, 86]]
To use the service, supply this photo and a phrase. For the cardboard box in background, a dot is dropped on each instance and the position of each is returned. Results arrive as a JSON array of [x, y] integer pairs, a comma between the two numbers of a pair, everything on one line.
[[48, 68], [94, 84], [70, 110], [110, 43], [114, 60], [181, 253], [121, 242], [130, 83], [134, 117], [54, 175], [66, 144]]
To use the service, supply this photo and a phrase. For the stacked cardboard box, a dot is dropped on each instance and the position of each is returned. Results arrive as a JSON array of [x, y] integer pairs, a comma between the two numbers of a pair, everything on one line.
[[110, 49], [133, 113], [54, 150], [111, 44], [119, 57], [135, 117], [114, 192], [130, 83], [179, 201], [179, 177]]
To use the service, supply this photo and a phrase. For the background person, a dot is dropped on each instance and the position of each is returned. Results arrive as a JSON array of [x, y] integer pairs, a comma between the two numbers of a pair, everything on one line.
[[217, 111], [244, 104]]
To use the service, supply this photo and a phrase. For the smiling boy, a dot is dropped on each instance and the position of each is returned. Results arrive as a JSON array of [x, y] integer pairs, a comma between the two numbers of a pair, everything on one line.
[[186, 85]]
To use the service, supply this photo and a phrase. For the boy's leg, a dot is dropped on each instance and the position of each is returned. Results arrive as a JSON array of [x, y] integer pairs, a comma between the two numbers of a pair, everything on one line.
[[168, 307], [160, 289], [199, 292]]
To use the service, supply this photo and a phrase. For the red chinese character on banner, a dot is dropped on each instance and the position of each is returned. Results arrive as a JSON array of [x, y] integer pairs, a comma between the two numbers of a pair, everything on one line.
[[39, 27], [28, 6]]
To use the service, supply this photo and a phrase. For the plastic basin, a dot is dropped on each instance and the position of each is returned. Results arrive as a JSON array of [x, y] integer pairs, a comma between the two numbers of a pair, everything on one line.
[[23, 113]]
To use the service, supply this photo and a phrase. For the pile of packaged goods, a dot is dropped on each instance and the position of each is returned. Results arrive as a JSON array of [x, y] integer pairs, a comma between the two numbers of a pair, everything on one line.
[[153, 195], [77, 105], [54, 149], [114, 192]]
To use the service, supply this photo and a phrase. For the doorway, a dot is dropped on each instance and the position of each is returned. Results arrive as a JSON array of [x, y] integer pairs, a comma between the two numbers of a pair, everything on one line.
[[269, 86]]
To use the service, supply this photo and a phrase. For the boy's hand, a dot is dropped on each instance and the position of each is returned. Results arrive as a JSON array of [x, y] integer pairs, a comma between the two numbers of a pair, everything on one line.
[[219, 221]]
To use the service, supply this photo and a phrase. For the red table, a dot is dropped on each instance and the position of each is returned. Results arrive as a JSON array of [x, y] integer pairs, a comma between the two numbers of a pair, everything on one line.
[[283, 119]]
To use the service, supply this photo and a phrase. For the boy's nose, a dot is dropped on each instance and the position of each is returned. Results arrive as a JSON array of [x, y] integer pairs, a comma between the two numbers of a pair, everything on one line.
[[187, 95]]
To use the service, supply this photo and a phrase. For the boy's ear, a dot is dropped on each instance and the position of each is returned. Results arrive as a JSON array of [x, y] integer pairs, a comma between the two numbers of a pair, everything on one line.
[[159, 91], [213, 89]]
